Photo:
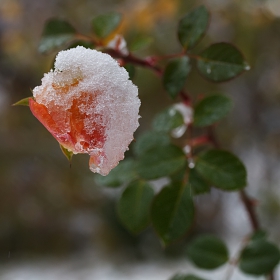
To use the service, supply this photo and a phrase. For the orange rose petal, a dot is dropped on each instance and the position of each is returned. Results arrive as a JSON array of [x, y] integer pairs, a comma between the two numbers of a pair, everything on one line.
[[89, 105], [78, 132], [41, 113]]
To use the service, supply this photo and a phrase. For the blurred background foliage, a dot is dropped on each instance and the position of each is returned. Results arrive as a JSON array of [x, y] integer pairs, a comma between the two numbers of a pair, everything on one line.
[[50, 208]]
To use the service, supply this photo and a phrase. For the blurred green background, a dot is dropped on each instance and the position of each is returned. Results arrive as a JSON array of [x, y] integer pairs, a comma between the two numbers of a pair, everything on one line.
[[50, 209]]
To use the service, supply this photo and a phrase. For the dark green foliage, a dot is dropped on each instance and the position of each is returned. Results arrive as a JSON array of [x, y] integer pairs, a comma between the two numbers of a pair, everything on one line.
[[134, 206], [172, 212], [104, 25], [208, 252], [175, 75], [197, 184], [148, 141], [192, 27], [221, 62], [130, 68], [180, 175], [140, 42], [258, 235], [222, 169], [167, 120], [160, 161], [123, 173], [56, 34], [185, 277], [211, 109], [259, 257]]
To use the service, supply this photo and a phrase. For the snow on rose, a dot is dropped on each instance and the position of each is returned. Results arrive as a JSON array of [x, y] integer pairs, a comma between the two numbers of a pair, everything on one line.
[[89, 105]]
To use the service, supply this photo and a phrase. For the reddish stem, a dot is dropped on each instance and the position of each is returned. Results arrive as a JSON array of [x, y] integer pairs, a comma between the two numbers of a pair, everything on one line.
[[185, 98], [201, 140], [147, 63], [170, 56], [249, 205]]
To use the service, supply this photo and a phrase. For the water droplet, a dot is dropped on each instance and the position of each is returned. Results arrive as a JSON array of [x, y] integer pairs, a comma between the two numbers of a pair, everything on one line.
[[247, 67], [172, 112], [208, 70], [191, 163], [187, 149]]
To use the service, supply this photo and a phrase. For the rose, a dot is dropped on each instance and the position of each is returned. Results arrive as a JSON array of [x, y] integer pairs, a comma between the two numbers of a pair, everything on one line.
[[89, 105]]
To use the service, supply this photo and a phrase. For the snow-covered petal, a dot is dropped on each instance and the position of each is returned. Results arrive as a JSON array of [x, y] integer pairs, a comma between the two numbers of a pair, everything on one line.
[[89, 105]]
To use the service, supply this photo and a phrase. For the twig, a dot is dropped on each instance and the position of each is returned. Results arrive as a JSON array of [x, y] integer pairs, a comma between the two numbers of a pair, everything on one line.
[[135, 60], [147, 62], [246, 200], [249, 206], [170, 56], [212, 138], [235, 259], [198, 141]]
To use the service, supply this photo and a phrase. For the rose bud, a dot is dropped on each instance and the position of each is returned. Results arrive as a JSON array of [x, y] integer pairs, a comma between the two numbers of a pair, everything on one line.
[[89, 105]]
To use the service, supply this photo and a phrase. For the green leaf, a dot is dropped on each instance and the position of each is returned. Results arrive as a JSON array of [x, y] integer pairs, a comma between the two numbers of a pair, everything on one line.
[[167, 120], [57, 33], [175, 75], [211, 109], [23, 102], [208, 252], [197, 184], [259, 234], [172, 212], [259, 257], [193, 26], [140, 42], [221, 62], [130, 68], [123, 173], [222, 169], [185, 277], [134, 206], [160, 161], [104, 25], [179, 175], [149, 140], [68, 154]]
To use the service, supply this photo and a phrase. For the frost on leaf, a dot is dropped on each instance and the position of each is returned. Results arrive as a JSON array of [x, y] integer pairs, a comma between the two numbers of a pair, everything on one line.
[[89, 105]]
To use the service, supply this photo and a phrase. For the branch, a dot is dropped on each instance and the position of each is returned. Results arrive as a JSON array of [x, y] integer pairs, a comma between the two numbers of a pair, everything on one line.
[[147, 63], [250, 208], [246, 200]]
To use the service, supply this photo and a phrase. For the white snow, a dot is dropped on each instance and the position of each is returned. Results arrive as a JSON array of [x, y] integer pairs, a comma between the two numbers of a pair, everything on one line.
[[107, 102]]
